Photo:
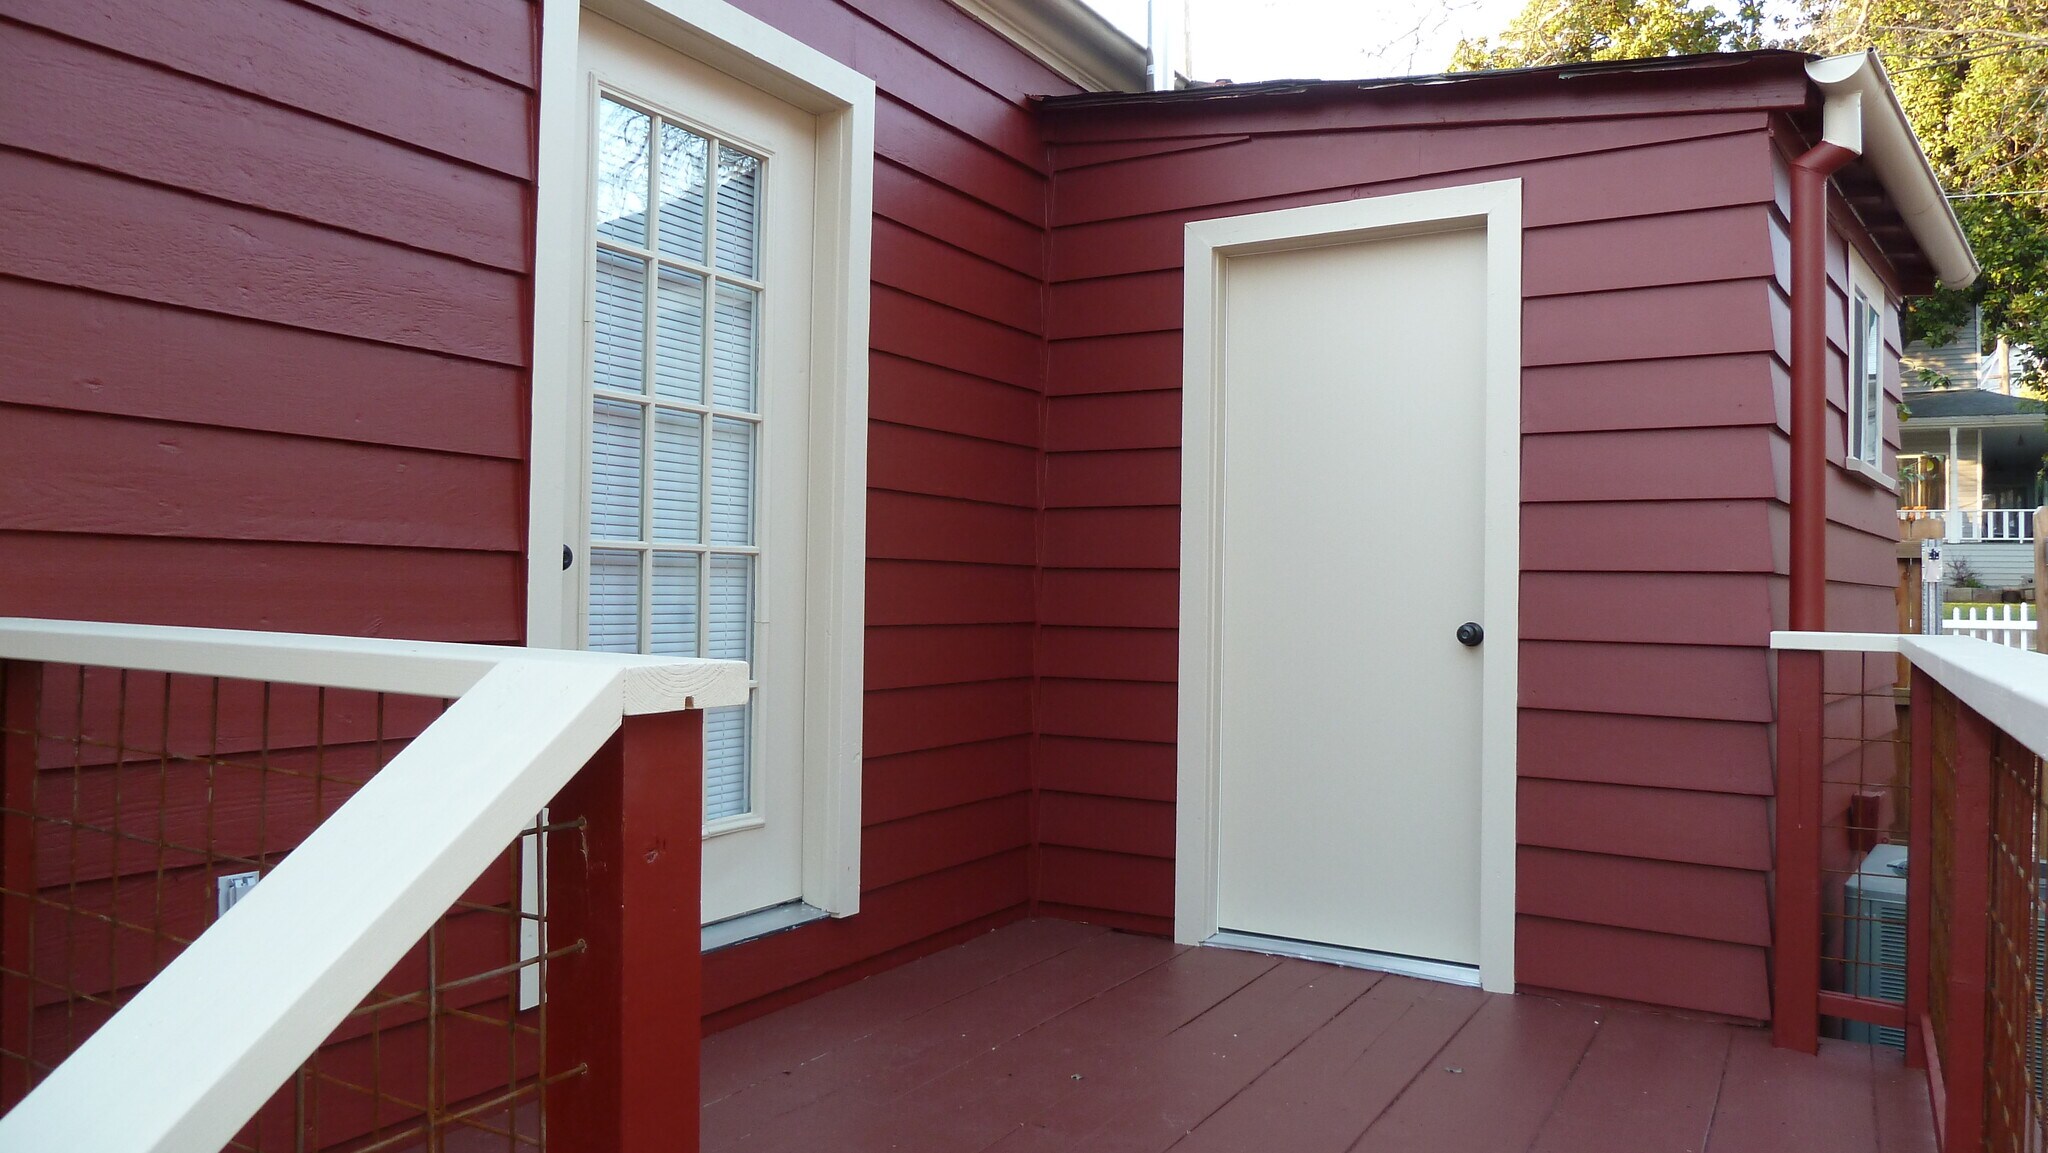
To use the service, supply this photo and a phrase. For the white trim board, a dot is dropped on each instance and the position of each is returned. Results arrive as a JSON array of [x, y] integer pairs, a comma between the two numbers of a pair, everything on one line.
[[1495, 207], [1349, 958], [724, 37]]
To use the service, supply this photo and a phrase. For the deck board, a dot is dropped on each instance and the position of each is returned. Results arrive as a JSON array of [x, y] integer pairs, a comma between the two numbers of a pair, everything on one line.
[[1159, 1093], [1045, 1036], [737, 1058], [1493, 1086], [980, 1102], [897, 1058], [1648, 1081]]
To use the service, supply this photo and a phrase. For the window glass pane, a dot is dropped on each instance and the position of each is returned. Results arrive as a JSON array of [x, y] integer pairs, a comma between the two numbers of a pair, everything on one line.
[[682, 194], [732, 482], [732, 608], [679, 336], [621, 173], [725, 761], [678, 474], [615, 447], [1866, 381], [621, 322], [739, 185], [732, 359], [614, 601], [673, 629]]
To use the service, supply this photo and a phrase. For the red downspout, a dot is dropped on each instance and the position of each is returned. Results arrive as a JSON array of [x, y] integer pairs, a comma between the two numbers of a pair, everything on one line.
[[1795, 961], [1810, 382]]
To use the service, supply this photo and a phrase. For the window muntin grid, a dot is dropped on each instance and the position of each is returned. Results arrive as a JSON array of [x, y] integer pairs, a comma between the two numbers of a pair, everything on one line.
[[672, 549]]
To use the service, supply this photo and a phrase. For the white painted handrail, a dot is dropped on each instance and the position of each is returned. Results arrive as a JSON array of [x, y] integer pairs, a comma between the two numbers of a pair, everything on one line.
[[2008, 687], [192, 1057]]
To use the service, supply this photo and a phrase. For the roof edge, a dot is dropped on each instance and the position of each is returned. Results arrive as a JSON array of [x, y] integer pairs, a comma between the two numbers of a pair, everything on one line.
[[1888, 144], [1068, 37]]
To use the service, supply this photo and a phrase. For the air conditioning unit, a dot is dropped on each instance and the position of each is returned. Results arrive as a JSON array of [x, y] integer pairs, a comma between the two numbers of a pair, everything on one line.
[[1874, 900]]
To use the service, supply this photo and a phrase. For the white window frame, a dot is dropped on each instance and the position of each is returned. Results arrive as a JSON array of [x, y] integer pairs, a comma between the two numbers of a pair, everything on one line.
[[843, 100], [1862, 449], [1495, 207]]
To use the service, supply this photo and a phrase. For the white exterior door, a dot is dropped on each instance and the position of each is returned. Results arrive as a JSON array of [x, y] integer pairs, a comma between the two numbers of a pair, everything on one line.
[[1351, 547], [693, 472]]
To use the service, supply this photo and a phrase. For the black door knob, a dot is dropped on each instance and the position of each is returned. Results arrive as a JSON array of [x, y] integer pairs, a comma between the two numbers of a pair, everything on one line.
[[1470, 634]]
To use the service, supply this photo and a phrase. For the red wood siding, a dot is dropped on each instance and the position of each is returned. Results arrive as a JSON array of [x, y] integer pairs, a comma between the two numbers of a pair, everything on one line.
[[264, 301], [1654, 461], [263, 310], [264, 305], [956, 392]]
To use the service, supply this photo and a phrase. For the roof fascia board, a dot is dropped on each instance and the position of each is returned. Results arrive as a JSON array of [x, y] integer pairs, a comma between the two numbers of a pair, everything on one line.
[[1068, 37], [2014, 420], [1862, 113]]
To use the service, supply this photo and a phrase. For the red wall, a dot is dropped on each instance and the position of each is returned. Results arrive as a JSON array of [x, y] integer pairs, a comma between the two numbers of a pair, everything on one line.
[[263, 314], [264, 303], [953, 493], [264, 296], [1654, 489]]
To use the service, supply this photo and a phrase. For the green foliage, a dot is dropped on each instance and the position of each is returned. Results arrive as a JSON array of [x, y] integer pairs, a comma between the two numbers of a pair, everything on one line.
[[1972, 76], [1568, 31]]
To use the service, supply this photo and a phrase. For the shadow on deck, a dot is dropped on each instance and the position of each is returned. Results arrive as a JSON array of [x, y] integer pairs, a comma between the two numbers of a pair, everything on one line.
[[1048, 1035]]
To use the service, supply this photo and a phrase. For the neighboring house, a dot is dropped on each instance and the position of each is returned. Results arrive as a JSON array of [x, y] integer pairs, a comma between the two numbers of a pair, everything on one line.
[[348, 318], [1970, 472], [1961, 361]]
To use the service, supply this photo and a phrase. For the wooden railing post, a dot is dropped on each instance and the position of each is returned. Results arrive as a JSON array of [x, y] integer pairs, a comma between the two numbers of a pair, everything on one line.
[[1795, 961], [1920, 865], [21, 685], [1969, 935], [627, 884]]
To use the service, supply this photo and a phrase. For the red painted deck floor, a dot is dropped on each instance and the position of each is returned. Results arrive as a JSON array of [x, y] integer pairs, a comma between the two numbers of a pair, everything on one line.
[[1049, 1035]]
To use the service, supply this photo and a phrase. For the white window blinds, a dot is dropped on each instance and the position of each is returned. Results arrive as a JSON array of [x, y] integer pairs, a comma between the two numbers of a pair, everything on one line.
[[672, 562]]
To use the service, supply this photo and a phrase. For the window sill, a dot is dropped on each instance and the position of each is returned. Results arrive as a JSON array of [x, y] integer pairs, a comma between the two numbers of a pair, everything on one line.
[[1872, 475]]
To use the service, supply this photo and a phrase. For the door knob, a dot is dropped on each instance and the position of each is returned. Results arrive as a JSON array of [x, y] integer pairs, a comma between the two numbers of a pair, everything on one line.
[[1470, 634]]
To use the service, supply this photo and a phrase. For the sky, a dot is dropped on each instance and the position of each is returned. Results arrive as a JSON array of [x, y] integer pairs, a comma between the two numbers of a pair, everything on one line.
[[1247, 40]]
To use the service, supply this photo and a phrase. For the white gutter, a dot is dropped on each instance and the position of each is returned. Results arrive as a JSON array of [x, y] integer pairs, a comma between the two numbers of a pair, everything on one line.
[[1862, 114], [1068, 37]]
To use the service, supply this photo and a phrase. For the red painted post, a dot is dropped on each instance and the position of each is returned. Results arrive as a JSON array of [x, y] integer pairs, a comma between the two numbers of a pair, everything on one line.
[[21, 684], [1920, 880], [629, 1005], [1969, 935], [1795, 960]]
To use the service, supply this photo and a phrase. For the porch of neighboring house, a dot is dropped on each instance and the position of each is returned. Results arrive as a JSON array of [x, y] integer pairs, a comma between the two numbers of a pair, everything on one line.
[[1051, 1035], [1970, 475]]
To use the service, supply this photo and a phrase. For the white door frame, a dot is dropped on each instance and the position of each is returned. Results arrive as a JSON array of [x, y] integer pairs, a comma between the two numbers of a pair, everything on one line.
[[843, 100], [1495, 207]]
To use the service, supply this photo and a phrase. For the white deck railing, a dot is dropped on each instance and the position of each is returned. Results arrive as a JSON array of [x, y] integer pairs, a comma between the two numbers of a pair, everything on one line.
[[1988, 525], [199, 1050]]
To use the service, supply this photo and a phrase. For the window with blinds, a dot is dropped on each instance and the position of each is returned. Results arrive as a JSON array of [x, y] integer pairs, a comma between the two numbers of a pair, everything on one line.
[[674, 423]]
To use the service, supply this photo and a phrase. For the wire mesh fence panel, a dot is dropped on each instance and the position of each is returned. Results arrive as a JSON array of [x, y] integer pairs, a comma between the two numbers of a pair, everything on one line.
[[139, 806], [1865, 803], [2014, 1113]]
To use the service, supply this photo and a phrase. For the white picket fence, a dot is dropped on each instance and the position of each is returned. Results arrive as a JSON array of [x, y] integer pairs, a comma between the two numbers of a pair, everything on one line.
[[2009, 625]]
